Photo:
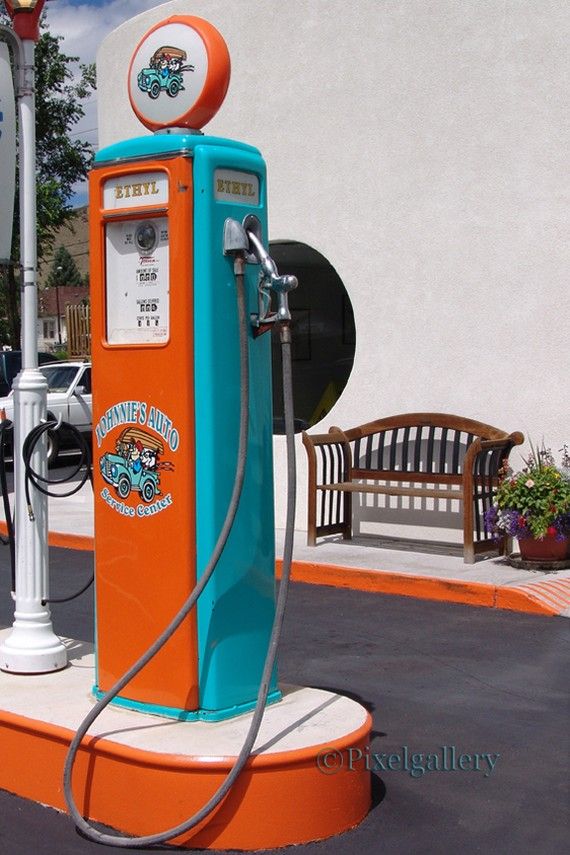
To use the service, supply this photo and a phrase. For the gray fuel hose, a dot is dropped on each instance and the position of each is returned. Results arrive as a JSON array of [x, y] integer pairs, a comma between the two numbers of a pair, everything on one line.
[[82, 824]]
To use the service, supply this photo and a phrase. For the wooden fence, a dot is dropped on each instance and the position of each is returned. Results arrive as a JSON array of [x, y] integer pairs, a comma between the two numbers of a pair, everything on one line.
[[78, 320]]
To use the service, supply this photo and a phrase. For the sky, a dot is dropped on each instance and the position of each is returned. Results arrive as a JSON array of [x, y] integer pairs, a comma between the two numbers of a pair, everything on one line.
[[83, 25]]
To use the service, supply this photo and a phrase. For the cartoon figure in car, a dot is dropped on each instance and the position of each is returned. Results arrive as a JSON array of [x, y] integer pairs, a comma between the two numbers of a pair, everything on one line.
[[135, 465], [165, 72], [135, 454]]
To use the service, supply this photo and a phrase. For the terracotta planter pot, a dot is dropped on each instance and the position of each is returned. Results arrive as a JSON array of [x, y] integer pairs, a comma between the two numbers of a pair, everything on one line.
[[547, 549]]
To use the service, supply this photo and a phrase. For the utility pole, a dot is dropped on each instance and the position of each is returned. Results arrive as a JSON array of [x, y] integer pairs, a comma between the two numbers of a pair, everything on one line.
[[58, 270]]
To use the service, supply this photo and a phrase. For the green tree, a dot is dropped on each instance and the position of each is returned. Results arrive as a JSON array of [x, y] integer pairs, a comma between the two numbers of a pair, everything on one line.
[[61, 88], [64, 270]]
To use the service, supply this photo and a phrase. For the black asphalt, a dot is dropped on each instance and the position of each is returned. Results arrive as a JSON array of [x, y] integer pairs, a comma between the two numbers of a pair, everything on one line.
[[438, 678]]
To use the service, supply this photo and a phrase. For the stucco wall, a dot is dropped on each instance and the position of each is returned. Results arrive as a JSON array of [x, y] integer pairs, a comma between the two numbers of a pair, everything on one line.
[[422, 148]]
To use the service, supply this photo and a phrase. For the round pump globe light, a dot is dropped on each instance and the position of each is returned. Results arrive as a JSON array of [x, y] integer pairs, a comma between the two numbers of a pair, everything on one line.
[[179, 74]]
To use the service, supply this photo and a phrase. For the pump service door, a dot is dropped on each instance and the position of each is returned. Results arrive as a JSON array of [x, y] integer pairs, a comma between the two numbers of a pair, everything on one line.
[[143, 416]]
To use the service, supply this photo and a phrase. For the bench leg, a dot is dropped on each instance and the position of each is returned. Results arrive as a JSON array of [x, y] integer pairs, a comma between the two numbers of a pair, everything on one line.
[[468, 544], [312, 513], [347, 517]]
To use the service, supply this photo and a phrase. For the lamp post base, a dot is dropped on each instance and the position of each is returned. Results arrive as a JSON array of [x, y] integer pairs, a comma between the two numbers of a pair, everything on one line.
[[32, 647]]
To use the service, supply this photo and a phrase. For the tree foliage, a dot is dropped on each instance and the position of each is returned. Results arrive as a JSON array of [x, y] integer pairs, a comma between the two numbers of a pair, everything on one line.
[[61, 161], [64, 270], [62, 85]]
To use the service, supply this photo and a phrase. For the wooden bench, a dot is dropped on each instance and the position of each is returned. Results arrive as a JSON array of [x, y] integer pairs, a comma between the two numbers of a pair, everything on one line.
[[435, 455]]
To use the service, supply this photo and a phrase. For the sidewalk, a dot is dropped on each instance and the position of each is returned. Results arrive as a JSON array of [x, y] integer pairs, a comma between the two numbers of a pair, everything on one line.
[[419, 569]]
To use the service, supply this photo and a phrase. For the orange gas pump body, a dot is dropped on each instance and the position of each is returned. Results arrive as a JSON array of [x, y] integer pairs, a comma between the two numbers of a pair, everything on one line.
[[146, 564]]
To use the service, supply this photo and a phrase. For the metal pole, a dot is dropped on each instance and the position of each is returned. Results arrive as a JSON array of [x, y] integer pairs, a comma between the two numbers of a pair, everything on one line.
[[32, 646], [57, 306]]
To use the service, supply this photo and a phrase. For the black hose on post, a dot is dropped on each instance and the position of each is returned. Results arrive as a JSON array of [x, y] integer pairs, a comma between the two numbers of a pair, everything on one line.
[[5, 426], [40, 482], [43, 483]]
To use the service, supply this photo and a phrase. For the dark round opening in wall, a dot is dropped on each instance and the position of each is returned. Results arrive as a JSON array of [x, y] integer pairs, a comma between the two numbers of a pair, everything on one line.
[[324, 338]]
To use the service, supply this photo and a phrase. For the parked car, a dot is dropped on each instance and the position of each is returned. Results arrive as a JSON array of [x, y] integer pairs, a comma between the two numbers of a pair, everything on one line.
[[68, 398], [11, 364]]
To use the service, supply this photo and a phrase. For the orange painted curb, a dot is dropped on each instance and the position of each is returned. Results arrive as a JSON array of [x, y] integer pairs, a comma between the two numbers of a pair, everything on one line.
[[516, 600], [141, 792], [83, 542], [420, 587], [384, 582]]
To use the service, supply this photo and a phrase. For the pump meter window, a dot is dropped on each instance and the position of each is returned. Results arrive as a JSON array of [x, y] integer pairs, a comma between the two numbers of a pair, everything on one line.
[[137, 281]]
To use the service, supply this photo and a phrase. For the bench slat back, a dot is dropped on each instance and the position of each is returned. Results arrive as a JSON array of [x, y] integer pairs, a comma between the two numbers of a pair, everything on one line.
[[412, 449], [428, 443], [334, 458]]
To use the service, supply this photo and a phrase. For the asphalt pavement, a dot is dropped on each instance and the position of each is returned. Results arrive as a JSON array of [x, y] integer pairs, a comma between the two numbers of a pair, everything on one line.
[[442, 681]]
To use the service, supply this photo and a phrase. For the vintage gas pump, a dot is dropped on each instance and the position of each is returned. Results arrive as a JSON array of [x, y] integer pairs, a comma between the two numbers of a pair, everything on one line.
[[166, 392], [187, 622]]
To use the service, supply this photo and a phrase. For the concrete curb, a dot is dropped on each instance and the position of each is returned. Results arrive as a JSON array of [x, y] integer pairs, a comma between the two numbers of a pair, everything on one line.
[[539, 598]]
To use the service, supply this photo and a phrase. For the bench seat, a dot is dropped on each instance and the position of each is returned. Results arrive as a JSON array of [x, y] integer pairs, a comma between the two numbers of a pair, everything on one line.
[[381, 489]]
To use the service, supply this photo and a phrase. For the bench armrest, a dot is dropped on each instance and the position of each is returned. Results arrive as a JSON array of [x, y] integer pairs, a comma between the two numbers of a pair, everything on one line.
[[483, 461], [330, 462], [329, 456], [484, 457]]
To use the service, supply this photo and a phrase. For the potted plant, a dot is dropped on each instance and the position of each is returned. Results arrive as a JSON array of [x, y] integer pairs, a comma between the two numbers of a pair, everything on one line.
[[534, 506]]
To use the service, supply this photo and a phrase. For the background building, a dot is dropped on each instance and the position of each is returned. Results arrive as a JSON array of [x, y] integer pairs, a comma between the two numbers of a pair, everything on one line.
[[52, 299], [416, 151], [52, 316]]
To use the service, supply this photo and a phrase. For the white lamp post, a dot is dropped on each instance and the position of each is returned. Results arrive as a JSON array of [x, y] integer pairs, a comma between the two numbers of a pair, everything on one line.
[[32, 646]]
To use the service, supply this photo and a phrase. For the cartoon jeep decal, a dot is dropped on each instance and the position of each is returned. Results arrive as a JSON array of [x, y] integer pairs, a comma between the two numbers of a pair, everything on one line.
[[135, 465], [165, 72]]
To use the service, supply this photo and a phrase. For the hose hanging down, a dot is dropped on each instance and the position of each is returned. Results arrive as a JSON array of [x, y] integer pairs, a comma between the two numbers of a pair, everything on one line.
[[154, 839], [43, 483], [6, 426]]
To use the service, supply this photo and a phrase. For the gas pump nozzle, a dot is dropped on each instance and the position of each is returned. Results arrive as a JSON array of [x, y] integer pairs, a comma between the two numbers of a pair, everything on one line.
[[245, 240]]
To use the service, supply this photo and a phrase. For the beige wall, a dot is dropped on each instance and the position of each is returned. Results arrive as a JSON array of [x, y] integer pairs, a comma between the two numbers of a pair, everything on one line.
[[422, 148]]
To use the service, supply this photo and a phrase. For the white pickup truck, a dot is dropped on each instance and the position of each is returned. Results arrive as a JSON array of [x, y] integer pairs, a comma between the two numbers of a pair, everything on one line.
[[68, 397]]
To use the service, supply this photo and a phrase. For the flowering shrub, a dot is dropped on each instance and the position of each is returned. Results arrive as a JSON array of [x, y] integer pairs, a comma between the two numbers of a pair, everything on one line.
[[534, 502]]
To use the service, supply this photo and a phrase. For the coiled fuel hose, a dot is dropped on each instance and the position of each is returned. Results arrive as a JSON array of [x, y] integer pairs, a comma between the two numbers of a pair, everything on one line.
[[43, 483], [82, 824], [6, 426]]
